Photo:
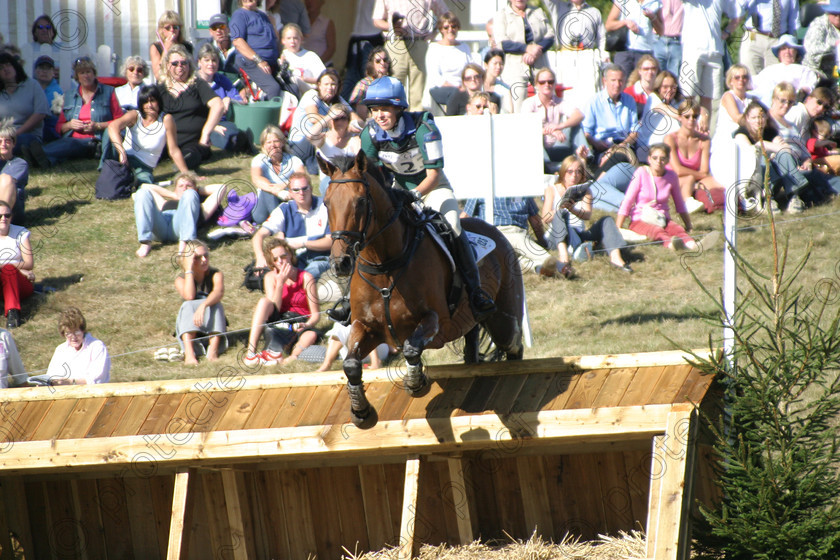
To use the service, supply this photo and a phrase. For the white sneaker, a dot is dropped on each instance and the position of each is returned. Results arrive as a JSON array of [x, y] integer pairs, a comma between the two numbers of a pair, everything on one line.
[[693, 205], [583, 252], [795, 206]]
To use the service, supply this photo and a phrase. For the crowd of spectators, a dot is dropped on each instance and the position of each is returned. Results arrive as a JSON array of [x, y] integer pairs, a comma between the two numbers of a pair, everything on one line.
[[651, 123]]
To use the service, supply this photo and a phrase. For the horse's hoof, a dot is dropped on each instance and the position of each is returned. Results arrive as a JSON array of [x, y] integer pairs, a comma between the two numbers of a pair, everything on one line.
[[417, 386], [366, 419]]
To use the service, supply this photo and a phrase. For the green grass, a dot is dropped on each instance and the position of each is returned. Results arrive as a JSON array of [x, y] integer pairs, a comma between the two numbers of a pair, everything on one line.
[[85, 249]]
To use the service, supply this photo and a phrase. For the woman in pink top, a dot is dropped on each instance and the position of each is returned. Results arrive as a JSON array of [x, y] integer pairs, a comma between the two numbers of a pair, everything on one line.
[[690, 159], [646, 203]]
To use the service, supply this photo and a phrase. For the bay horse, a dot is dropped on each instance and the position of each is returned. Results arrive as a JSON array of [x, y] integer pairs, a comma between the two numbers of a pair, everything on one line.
[[401, 278]]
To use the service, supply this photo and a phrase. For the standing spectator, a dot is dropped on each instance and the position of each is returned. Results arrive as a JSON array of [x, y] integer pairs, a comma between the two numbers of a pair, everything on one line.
[[23, 99], [667, 45], [272, 10], [169, 33], [581, 37], [44, 32], [220, 39], [321, 36], [86, 115], [225, 135], [702, 70], [336, 141], [135, 71], [81, 359], [12, 372], [802, 78], [764, 22], [43, 71], [271, 170], [201, 287], [639, 22], [363, 39], [16, 263], [524, 34], [735, 99], [562, 134], [294, 11], [408, 26], [14, 173], [611, 119], [445, 60], [378, 65], [303, 223], [820, 41], [304, 65], [494, 65], [192, 103], [257, 49], [472, 81]]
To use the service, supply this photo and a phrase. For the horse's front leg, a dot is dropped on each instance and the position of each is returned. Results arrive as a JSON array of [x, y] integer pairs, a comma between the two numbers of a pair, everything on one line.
[[415, 381], [359, 345]]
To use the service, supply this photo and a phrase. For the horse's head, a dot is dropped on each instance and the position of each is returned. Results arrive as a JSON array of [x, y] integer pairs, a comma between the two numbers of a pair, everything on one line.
[[350, 210]]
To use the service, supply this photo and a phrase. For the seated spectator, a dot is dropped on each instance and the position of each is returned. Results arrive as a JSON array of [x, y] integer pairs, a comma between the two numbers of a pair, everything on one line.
[[169, 33], [378, 65], [803, 79], [87, 113], [14, 173], [304, 65], [566, 221], [193, 104], [821, 39], [732, 104], [44, 32], [23, 99], [337, 141], [822, 148], [81, 359], [445, 60], [639, 20], [642, 81], [646, 203], [220, 39], [303, 223], [513, 215], [257, 47], [148, 131], [494, 65], [611, 120], [659, 116], [166, 215], [690, 160], [307, 123], [291, 297], [472, 81], [337, 345], [16, 263], [321, 36], [480, 103], [562, 133], [225, 135], [135, 71], [44, 74], [815, 105], [271, 170], [12, 372], [201, 315]]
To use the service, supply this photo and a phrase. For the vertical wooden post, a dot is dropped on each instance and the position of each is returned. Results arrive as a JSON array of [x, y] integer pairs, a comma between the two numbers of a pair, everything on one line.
[[409, 507], [234, 514], [176, 523], [672, 475], [5, 530], [460, 500]]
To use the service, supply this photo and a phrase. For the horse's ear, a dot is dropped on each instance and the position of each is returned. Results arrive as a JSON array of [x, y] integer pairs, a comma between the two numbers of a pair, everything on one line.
[[361, 162], [326, 167]]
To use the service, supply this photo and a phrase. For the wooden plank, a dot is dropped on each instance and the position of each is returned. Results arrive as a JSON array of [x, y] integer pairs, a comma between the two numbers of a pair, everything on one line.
[[141, 515], [430, 519], [459, 498], [51, 424], [482, 493], [587, 388], [135, 415], [268, 406], [236, 526], [532, 482], [240, 409], [640, 390], [81, 418], [36, 500], [539, 390], [23, 427], [339, 412], [445, 404], [66, 533], [11, 428], [5, 528], [351, 509], [667, 390], [637, 464], [109, 416], [293, 407], [509, 497], [418, 408], [91, 529], [179, 510], [295, 487], [269, 515], [698, 391], [377, 510], [13, 501], [161, 416], [573, 428], [115, 522], [670, 496], [316, 410], [504, 394], [378, 393], [475, 401], [217, 522], [614, 387], [322, 503], [409, 508], [616, 503]]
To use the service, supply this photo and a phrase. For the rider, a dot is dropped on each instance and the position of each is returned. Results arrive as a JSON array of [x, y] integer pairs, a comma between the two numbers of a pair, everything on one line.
[[409, 144]]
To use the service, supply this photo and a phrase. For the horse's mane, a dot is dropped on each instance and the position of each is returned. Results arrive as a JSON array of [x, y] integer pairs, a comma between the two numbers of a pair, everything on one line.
[[346, 163]]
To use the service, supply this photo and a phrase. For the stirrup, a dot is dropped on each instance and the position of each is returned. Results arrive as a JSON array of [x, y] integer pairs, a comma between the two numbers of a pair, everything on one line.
[[340, 313], [482, 305]]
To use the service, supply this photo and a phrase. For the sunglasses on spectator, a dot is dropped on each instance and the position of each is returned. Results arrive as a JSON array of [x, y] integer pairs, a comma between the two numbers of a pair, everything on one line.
[[575, 171], [472, 78], [821, 103], [740, 77], [43, 26], [381, 60], [7, 216], [299, 189], [172, 27], [179, 62], [136, 68], [786, 101], [449, 27], [690, 116], [544, 82], [219, 26]]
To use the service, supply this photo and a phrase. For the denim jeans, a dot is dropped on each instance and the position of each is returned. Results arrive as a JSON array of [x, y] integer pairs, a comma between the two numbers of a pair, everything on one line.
[[315, 265], [608, 191], [166, 225], [575, 138], [68, 148], [266, 203], [668, 52], [225, 141], [785, 175]]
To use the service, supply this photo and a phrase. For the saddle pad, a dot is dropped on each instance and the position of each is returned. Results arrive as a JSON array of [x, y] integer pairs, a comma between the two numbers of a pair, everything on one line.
[[481, 245]]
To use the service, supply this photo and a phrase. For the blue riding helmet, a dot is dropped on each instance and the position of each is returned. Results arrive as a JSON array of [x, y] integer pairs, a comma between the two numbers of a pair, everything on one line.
[[386, 91]]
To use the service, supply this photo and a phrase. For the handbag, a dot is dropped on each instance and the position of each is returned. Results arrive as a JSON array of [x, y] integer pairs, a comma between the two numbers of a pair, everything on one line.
[[115, 181], [650, 214], [617, 40]]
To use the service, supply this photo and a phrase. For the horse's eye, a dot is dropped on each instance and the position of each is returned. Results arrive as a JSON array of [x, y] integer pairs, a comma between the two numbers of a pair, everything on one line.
[[361, 204]]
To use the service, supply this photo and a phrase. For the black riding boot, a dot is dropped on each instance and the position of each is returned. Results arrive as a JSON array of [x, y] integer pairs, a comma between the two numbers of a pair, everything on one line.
[[481, 303]]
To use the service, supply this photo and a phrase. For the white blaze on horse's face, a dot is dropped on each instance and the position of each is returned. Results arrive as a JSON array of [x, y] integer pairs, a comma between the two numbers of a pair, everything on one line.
[[386, 116]]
